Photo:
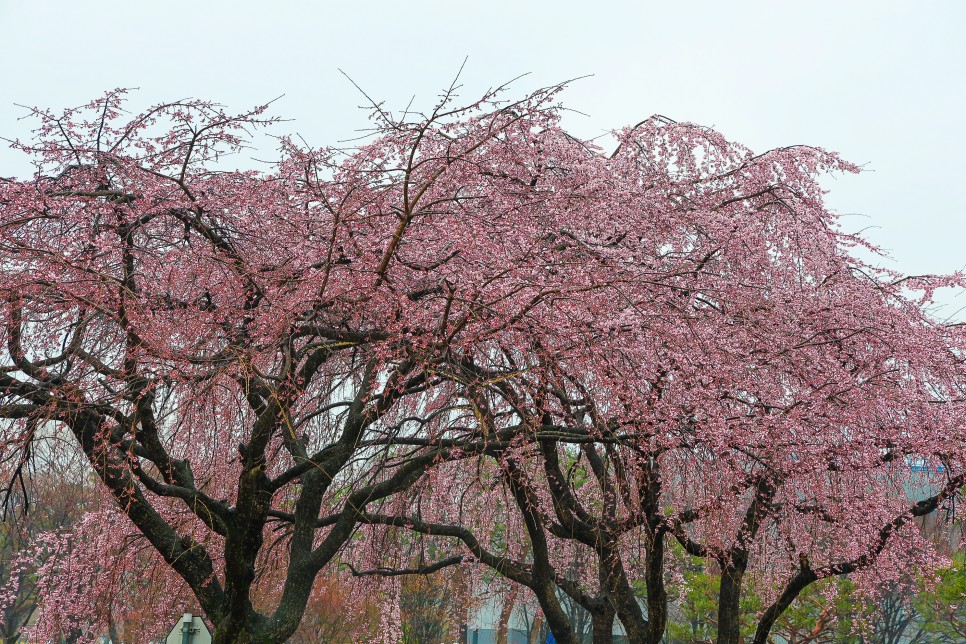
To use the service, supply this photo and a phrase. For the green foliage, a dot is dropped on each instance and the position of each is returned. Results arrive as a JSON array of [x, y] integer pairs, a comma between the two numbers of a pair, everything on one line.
[[830, 611], [694, 618], [942, 607], [827, 611], [426, 613]]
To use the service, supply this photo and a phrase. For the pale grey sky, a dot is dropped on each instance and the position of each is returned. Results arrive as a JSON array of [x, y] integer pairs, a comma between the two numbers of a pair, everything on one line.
[[880, 81]]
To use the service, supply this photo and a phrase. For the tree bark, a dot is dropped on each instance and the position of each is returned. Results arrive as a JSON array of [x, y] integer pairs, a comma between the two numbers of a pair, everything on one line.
[[534, 635], [602, 626], [796, 585], [618, 589], [729, 596], [656, 590], [506, 612]]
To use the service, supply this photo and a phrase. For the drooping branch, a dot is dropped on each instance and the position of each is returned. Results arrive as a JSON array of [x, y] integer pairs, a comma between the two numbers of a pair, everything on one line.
[[807, 575]]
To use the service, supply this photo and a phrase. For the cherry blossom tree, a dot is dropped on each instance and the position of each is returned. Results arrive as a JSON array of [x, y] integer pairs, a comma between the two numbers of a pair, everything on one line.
[[273, 371], [59, 494], [236, 350], [769, 410]]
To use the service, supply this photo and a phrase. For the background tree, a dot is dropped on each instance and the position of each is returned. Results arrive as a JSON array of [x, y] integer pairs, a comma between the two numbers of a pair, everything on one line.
[[941, 607], [52, 500]]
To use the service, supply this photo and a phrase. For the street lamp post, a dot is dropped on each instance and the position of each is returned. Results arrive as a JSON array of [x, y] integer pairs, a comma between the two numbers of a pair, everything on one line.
[[186, 629]]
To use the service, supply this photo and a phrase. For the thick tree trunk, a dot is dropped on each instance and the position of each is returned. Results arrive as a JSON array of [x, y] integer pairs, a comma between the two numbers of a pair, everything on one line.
[[617, 587], [729, 596], [735, 563], [557, 620], [602, 625], [543, 585], [656, 591]]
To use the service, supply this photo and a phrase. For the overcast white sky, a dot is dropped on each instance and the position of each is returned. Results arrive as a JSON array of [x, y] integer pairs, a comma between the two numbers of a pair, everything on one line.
[[880, 81]]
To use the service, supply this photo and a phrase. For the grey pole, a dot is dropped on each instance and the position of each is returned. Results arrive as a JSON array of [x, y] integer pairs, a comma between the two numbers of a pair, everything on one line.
[[186, 628]]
